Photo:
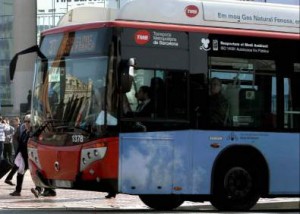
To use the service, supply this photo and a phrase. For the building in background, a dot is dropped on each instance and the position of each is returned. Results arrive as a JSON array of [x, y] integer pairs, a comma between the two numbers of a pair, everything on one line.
[[6, 47], [17, 32]]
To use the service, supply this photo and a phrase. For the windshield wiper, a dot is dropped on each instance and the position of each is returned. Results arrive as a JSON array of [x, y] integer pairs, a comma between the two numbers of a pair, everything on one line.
[[59, 125], [44, 125], [67, 128]]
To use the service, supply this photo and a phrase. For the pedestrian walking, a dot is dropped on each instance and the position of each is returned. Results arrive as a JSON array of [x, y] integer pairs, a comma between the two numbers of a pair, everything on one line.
[[16, 123], [46, 192], [16, 139], [21, 160], [8, 143], [3, 128]]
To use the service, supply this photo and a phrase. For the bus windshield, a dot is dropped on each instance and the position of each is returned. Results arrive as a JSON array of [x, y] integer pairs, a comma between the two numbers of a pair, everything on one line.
[[71, 94]]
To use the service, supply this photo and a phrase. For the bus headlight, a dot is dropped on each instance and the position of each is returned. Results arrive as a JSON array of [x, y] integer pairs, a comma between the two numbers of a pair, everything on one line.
[[90, 155]]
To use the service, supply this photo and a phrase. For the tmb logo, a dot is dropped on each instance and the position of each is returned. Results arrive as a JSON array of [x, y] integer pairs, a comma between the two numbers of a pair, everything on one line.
[[191, 11], [142, 37]]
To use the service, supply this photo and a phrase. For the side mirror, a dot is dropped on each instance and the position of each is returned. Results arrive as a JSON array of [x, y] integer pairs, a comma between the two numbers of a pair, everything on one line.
[[131, 62], [13, 62], [127, 68], [126, 81]]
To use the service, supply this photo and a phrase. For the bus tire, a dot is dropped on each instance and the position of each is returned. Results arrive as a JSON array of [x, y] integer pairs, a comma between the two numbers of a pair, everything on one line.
[[162, 202], [235, 187]]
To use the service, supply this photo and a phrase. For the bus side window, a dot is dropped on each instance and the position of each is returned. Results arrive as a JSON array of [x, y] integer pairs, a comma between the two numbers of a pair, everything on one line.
[[245, 106], [269, 121], [267, 94], [232, 95], [158, 96], [291, 104], [199, 91], [176, 84], [250, 106]]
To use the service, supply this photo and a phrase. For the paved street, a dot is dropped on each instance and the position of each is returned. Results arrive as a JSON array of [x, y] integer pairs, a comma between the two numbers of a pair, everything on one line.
[[73, 199]]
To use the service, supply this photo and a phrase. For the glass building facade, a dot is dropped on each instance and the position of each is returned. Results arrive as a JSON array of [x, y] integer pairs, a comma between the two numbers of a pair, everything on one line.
[[6, 49], [17, 32]]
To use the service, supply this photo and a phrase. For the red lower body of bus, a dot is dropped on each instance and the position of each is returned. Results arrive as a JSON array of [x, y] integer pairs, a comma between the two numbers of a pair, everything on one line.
[[91, 166]]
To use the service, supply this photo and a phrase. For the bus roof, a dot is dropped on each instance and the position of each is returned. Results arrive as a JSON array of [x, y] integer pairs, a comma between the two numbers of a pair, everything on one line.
[[215, 13], [211, 16], [82, 15]]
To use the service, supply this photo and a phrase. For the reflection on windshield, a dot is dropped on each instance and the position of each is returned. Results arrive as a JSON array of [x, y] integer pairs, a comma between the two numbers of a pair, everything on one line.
[[111, 120], [73, 93]]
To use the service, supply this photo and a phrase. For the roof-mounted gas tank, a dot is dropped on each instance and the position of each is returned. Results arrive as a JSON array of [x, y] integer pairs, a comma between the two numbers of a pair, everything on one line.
[[214, 13], [88, 14]]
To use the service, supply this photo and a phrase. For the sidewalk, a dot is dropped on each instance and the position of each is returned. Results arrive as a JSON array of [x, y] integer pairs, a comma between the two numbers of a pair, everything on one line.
[[74, 199]]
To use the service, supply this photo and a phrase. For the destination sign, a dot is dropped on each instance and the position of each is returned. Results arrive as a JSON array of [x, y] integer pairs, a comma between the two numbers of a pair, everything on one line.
[[73, 43], [50, 44], [82, 42]]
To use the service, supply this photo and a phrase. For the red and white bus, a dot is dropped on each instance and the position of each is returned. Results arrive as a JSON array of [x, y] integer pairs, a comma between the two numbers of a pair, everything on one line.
[[88, 74]]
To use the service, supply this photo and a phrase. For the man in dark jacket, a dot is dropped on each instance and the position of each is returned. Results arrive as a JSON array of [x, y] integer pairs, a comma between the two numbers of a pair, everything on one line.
[[22, 156], [145, 106]]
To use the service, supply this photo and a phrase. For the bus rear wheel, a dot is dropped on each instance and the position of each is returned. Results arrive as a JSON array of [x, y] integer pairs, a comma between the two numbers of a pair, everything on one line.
[[162, 202], [235, 188]]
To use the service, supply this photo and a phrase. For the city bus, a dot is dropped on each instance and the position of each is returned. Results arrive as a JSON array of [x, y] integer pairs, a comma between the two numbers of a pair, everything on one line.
[[87, 134]]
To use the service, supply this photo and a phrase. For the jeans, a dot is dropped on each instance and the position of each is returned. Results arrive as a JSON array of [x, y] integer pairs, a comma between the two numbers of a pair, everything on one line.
[[1, 149], [7, 152], [12, 173], [20, 179]]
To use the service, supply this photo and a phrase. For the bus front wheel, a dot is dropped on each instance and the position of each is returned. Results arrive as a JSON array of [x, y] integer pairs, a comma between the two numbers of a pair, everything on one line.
[[236, 187], [161, 202]]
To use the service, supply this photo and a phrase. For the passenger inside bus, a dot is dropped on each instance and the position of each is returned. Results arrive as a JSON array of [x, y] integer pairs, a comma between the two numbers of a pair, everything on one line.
[[218, 104]]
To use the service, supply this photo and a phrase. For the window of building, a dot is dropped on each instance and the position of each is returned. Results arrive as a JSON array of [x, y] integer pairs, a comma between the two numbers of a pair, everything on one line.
[[6, 47]]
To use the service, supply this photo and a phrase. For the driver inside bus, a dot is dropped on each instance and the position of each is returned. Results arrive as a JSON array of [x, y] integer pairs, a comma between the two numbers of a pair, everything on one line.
[[145, 107]]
